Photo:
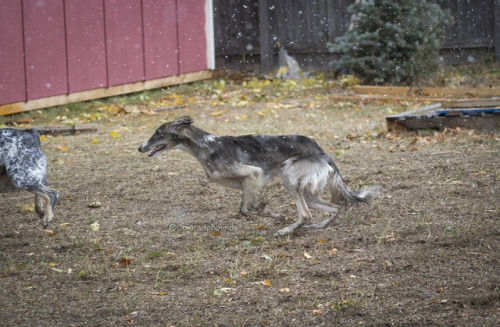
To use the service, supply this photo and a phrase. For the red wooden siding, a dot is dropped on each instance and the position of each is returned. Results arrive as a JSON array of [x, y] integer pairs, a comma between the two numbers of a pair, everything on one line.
[[50, 48], [191, 31], [124, 41], [160, 38], [12, 82], [86, 48], [45, 48]]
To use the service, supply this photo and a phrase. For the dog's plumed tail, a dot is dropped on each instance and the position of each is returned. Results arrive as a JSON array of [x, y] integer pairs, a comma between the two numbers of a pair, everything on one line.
[[340, 192]]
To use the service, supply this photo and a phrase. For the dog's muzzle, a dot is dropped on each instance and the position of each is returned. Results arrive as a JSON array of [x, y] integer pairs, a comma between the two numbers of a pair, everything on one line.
[[158, 148]]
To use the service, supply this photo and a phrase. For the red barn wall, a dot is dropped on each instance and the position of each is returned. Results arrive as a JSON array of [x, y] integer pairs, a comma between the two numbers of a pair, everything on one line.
[[12, 74], [59, 47]]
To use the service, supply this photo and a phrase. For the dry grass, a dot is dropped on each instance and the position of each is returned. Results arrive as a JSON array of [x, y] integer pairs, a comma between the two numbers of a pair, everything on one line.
[[171, 248]]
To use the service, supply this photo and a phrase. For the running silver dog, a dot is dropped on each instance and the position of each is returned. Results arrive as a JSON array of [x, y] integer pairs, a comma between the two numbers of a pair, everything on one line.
[[247, 162], [23, 166]]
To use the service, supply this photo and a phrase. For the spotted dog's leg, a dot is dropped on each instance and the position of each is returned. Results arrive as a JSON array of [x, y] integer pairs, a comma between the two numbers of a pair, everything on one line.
[[39, 206], [30, 175], [50, 196]]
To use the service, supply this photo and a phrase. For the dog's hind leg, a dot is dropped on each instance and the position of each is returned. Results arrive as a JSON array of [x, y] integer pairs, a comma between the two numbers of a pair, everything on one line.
[[318, 202], [304, 214], [292, 185], [37, 185]]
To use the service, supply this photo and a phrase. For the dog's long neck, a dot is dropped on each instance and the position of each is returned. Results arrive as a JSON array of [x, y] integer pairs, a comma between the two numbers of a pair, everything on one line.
[[196, 142]]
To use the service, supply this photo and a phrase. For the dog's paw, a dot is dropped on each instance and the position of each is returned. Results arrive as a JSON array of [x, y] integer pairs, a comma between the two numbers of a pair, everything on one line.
[[282, 232]]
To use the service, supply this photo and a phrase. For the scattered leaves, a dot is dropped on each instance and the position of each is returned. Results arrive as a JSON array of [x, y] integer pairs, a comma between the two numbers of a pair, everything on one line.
[[95, 226], [124, 263], [95, 204], [62, 147], [266, 282], [221, 291], [333, 252], [29, 207], [50, 233]]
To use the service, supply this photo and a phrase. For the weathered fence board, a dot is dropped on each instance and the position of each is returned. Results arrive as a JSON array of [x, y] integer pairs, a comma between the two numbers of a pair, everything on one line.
[[160, 43], [45, 49], [305, 27], [191, 24], [13, 88], [124, 41], [86, 45]]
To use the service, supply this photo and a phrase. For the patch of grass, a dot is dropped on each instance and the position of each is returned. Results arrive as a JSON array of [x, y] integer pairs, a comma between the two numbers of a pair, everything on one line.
[[396, 262]]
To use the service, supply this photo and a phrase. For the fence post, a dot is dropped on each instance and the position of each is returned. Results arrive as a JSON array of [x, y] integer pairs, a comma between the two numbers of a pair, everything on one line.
[[266, 43]]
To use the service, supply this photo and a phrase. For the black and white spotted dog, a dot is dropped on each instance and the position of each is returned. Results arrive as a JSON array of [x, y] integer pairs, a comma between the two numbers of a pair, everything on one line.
[[23, 166], [247, 162]]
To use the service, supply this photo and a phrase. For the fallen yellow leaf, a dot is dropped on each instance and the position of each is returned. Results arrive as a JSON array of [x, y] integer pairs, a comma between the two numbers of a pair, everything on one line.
[[266, 282], [333, 251], [62, 147]]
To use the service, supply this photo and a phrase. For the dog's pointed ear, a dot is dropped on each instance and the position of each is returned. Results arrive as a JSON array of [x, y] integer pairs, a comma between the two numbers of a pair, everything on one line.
[[182, 121]]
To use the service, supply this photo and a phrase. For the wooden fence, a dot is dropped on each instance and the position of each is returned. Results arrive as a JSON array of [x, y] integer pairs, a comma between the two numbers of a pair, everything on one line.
[[58, 51], [251, 32]]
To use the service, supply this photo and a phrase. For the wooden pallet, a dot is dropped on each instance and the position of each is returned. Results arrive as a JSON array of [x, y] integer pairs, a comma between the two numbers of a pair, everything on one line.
[[482, 115]]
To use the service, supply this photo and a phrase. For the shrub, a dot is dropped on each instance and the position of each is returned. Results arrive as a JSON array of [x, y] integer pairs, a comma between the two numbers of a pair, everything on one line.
[[392, 41]]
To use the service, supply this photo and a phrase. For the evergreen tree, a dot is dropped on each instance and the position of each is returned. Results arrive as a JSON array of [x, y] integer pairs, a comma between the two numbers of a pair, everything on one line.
[[392, 41]]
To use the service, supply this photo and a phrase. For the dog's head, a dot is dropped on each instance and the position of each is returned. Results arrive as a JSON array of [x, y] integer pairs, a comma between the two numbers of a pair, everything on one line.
[[167, 136]]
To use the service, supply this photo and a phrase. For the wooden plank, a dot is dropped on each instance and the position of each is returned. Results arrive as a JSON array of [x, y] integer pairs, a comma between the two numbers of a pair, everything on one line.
[[45, 48], [427, 92], [103, 92], [62, 130], [478, 103], [86, 48], [12, 81], [160, 38], [363, 97], [124, 47], [192, 35]]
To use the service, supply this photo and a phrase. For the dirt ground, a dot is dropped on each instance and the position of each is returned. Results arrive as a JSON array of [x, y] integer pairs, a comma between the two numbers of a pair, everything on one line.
[[151, 242]]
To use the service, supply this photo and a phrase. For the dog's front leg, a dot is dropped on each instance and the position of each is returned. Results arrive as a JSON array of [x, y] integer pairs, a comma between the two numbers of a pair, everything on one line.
[[250, 186], [39, 206]]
